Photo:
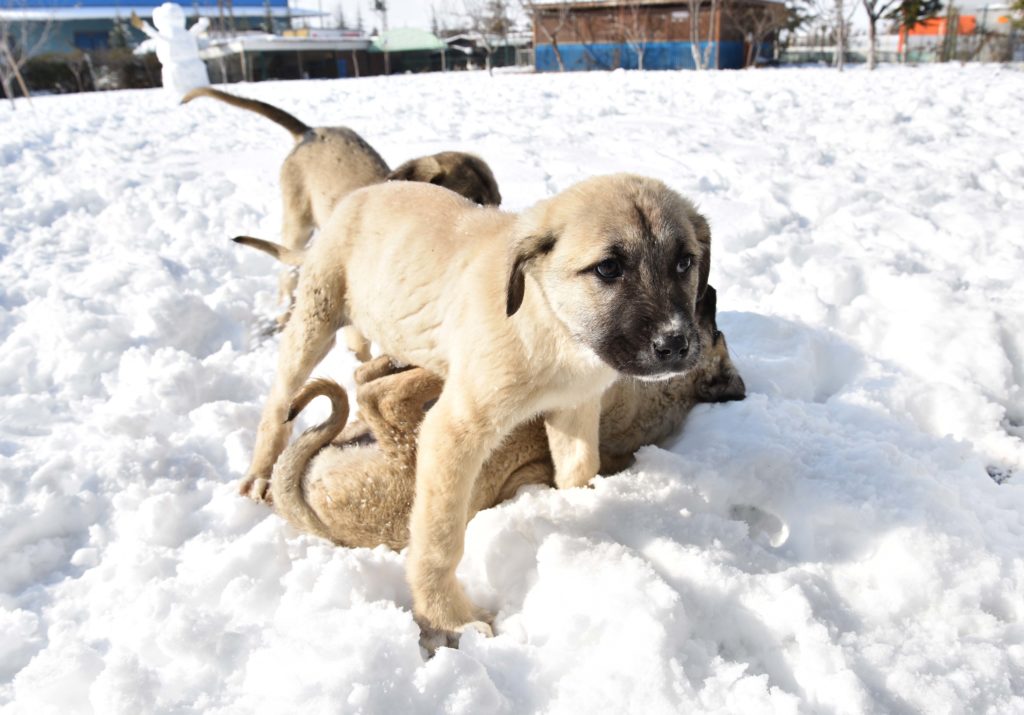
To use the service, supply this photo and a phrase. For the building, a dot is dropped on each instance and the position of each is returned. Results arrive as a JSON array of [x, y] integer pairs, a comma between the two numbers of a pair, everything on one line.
[[86, 25], [653, 34], [969, 30], [304, 53]]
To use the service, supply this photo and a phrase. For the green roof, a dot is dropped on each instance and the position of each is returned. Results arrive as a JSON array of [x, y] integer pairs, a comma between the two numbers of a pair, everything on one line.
[[406, 39]]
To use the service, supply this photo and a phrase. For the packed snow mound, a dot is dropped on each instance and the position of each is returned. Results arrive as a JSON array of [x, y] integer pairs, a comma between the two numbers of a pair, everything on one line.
[[837, 542]]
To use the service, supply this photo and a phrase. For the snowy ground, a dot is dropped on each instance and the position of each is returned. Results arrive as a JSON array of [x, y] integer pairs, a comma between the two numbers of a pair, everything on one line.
[[837, 542]]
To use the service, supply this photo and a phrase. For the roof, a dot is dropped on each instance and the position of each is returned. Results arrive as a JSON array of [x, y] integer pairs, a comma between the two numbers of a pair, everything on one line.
[[110, 12], [262, 42], [406, 39]]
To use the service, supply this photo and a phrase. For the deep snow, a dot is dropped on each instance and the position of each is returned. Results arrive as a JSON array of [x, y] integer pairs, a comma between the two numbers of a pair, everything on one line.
[[834, 543]]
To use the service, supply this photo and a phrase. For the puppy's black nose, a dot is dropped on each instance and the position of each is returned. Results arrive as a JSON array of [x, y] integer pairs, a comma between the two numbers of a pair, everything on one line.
[[667, 347]]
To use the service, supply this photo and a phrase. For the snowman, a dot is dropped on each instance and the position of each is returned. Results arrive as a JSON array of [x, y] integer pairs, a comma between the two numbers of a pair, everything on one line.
[[176, 48]]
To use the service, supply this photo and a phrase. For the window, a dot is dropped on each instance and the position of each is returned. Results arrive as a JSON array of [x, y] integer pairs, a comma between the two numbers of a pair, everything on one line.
[[93, 40]]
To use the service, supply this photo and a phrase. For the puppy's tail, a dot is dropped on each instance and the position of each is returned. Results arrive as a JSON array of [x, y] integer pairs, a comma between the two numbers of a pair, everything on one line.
[[278, 116], [290, 256], [288, 481]]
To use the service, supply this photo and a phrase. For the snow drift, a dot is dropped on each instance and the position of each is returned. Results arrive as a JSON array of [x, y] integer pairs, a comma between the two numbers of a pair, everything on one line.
[[838, 542]]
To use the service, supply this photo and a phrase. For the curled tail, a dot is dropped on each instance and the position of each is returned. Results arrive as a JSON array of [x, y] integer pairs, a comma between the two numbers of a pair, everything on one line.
[[279, 116], [288, 484], [289, 256]]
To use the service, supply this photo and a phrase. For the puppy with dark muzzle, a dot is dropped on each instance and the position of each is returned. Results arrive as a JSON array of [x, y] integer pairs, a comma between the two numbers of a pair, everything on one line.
[[521, 315], [328, 163]]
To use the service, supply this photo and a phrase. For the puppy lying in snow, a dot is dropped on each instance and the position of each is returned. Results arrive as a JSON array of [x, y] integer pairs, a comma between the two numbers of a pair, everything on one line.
[[328, 163], [358, 494]]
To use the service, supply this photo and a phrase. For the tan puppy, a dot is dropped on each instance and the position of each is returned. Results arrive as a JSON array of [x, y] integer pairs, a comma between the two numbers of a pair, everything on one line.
[[521, 315], [328, 163], [361, 494]]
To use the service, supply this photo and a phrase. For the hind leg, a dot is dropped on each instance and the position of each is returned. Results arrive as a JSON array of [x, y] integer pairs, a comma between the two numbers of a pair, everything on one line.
[[393, 407], [358, 431], [375, 369], [305, 341]]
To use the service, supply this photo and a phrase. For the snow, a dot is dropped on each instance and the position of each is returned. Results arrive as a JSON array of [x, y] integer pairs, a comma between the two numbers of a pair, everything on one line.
[[834, 543]]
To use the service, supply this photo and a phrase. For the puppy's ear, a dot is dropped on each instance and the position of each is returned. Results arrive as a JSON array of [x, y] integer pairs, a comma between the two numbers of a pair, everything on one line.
[[703, 230], [706, 309], [426, 169], [523, 252]]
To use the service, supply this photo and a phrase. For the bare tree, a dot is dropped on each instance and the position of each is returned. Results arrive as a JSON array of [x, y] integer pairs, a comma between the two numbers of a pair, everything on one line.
[[559, 15], [833, 21], [757, 22], [380, 6], [633, 21], [487, 19], [19, 41], [693, 8], [875, 9], [713, 42], [702, 60]]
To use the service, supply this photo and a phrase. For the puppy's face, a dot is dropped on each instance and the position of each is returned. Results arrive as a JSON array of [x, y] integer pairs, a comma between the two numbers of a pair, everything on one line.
[[456, 171], [622, 261]]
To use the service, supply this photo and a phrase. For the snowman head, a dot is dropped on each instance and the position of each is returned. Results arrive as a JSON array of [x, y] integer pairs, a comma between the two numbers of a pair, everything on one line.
[[169, 17]]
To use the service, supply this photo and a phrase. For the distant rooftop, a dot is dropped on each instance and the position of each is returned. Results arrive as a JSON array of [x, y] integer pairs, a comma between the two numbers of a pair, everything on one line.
[[105, 9], [406, 39]]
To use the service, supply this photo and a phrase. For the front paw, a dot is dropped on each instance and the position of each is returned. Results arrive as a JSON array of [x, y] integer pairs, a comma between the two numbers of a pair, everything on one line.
[[433, 638], [256, 488]]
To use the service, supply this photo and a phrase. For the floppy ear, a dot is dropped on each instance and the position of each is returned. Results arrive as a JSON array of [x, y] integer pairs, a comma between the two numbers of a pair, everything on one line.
[[524, 251], [426, 169], [703, 231], [706, 309]]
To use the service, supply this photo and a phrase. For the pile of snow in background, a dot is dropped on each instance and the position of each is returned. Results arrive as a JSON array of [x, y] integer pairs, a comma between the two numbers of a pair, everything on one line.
[[833, 543]]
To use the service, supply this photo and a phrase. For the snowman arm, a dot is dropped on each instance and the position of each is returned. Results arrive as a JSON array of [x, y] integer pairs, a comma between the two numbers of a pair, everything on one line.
[[142, 26], [200, 26]]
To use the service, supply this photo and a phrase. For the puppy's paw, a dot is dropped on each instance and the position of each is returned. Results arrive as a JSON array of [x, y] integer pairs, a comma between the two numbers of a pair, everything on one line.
[[261, 492], [256, 488], [375, 369], [481, 627], [433, 638]]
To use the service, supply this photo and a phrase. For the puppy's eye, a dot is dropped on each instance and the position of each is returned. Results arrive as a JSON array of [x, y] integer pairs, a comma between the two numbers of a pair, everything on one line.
[[609, 269], [684, 264]]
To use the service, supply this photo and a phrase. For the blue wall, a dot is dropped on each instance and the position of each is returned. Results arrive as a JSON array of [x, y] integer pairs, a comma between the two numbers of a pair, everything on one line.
[[658, 56]]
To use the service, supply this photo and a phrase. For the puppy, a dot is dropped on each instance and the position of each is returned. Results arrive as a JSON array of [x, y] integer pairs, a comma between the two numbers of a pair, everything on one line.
[[633, 413], [328, 163], [521, 316], [361, 494]]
